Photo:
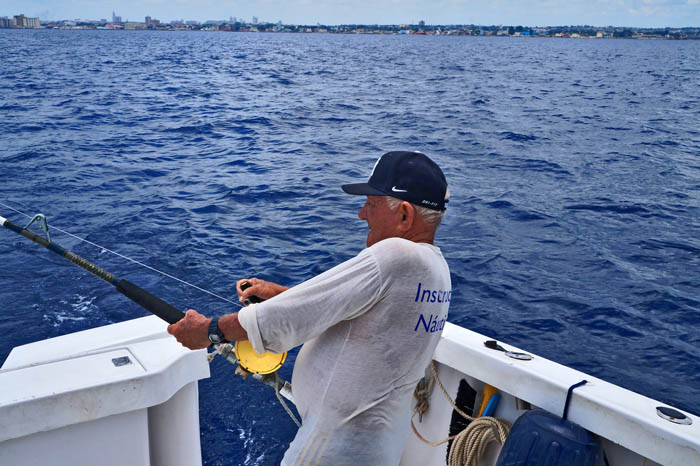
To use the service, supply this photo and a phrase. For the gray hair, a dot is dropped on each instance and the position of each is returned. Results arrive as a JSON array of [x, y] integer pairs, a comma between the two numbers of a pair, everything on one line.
[[429, 216]]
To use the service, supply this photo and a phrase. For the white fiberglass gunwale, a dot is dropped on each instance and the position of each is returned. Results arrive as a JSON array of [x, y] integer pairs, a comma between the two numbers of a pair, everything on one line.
[[69, 389], [614, 413]]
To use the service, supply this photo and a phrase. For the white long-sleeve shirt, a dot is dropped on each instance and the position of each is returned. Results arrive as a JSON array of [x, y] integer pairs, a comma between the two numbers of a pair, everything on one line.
[[369, 328]]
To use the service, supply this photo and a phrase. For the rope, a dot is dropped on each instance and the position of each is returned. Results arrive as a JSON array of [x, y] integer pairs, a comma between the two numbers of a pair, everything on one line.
[[130, 259], [469, 445], [422, 393]]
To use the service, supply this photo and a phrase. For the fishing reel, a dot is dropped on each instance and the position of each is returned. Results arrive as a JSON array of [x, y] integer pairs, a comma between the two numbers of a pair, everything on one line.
[[248, 359]]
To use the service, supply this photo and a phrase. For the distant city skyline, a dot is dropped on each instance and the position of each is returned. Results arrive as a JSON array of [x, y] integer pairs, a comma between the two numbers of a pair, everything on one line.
[[631, 13]]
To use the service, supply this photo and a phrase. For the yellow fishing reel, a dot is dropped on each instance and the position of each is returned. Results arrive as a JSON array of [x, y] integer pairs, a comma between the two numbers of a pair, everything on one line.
[[257, 363], [248, 358]]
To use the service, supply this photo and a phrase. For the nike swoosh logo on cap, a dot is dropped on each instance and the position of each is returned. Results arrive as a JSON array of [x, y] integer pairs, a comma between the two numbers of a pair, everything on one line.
[[396, 190]]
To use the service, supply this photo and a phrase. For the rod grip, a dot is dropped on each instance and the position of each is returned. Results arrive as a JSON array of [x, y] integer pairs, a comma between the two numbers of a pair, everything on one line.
[[155, 305]]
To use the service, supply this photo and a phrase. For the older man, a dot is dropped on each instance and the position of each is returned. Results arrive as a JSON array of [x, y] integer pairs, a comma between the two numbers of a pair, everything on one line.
[[369, 326]]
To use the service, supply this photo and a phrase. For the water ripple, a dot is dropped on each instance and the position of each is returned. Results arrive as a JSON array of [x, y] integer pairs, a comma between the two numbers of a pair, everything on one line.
[[573, 165]]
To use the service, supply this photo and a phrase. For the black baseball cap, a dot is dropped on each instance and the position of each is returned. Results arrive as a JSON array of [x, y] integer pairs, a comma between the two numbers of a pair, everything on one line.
[[409, 176]]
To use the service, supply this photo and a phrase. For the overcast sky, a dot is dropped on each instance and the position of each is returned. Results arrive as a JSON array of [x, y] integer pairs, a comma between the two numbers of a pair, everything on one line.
[[643, 13]]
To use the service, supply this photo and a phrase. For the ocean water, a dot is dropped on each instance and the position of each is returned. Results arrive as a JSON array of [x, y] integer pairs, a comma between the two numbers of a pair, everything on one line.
[[573, 231]]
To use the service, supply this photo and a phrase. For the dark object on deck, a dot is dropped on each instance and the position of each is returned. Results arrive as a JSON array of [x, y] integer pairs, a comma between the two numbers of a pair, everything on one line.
[[540, 438], [466, 399]]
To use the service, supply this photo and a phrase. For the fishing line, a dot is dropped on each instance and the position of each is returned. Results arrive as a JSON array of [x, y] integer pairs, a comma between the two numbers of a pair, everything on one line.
[[130, 259], [166, 311]]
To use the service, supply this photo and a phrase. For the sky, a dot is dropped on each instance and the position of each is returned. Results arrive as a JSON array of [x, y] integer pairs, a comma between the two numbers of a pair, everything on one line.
[[632, 13]]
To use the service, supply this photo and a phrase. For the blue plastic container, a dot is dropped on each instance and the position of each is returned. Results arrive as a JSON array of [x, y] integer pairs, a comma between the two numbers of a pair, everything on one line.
[[539, 438]]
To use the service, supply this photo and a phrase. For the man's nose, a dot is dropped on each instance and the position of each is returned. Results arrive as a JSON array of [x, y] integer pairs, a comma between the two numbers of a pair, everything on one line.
[[361, 213]]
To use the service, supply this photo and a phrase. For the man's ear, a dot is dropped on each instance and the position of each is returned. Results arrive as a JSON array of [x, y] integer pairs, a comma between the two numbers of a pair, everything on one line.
[[408, 215]]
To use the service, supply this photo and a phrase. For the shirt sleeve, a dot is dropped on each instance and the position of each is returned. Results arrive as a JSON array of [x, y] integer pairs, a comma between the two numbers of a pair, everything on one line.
[[305, 311]]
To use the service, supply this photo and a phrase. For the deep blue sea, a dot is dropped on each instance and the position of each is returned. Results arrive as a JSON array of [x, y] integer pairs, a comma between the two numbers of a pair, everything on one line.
[[573, 231]]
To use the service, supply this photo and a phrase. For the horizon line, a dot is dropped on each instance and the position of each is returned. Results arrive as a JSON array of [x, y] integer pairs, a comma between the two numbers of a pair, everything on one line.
[[317, 24]]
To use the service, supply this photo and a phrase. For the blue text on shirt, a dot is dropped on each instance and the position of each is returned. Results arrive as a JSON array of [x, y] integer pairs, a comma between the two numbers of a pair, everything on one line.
[[432, 296]]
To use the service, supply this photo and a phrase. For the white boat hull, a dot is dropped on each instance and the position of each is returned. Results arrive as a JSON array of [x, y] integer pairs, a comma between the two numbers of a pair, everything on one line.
[[65, 402], [71, 390]]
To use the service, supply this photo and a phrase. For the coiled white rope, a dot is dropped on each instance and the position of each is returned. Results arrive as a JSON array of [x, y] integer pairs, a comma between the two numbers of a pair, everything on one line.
[[469, 445]]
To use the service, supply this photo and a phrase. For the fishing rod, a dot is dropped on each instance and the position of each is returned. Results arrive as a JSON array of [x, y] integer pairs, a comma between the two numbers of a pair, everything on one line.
[[162, 309], [143, 298]]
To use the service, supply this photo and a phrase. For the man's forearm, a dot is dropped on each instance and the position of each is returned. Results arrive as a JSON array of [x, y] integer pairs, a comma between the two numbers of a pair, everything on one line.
[[231, 328]]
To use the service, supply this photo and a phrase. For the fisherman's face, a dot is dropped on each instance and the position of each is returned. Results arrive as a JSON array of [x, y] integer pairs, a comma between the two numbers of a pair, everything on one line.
[[381, 220]]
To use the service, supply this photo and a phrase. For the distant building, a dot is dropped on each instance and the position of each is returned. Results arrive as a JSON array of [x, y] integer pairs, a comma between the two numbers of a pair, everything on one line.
[[116, 19], [21, 21], [192, 23], [5, 22], [148, 21], [134, 26], [255, 20]]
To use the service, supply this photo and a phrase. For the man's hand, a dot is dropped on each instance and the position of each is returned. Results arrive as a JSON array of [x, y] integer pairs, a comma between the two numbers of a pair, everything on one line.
[[260, 288], [192, 330]]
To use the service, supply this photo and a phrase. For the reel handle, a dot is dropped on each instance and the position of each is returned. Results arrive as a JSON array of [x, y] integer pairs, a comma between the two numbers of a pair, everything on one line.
[[252, 299]]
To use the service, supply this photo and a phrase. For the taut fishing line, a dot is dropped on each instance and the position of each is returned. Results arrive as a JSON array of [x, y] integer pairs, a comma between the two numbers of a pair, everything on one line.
[[131, 260], [160, 308]]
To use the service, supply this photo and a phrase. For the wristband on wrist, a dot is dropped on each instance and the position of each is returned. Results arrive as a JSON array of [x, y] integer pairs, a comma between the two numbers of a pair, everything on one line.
[[216, 336]]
